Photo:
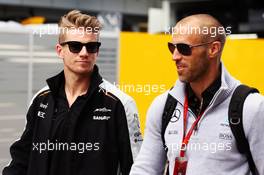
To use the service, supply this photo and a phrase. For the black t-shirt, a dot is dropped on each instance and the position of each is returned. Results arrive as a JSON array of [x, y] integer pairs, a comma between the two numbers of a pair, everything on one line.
[[62, 122], [207, 95]]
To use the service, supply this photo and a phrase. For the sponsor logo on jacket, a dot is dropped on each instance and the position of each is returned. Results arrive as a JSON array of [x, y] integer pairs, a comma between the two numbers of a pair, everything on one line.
[[41, 114], [96, 117], [225, 136], [175, 116], [44, 106], [102, 110]]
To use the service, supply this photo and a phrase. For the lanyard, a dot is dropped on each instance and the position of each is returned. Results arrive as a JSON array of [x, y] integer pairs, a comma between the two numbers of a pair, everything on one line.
[[187, 137]]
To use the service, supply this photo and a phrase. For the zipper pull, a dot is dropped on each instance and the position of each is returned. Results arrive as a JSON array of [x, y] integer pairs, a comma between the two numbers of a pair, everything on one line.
[[200, 112], [201, 106]]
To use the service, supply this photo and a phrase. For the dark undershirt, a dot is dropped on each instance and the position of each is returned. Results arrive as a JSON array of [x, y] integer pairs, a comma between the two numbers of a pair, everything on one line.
[[63, 115], [60, 115], [207, 96]]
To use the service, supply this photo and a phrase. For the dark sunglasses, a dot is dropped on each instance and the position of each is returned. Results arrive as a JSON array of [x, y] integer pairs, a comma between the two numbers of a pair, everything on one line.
[[76, 46], [184, 49]]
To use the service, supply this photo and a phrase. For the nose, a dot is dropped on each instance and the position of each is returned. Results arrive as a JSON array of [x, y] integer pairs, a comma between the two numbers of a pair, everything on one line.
[[83, 51], [176, 56]]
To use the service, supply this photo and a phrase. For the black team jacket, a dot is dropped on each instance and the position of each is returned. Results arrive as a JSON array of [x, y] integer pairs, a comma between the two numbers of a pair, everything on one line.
[[91, 137]]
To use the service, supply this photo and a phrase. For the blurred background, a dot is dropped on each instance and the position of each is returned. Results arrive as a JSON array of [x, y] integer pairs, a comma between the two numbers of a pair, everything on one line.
[[134, 53], [245, 16]]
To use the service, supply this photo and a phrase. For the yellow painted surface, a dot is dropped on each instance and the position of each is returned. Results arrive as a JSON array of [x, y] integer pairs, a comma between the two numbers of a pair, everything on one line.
[[145, 62], [244, 59]]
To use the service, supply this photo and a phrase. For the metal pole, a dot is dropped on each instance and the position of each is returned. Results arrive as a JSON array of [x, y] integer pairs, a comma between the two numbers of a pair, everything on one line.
[[30, 67], [167, 13]]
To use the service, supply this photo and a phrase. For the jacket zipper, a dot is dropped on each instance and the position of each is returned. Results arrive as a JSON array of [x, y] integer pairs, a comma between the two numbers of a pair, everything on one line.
[[208, 108], [200, 111]]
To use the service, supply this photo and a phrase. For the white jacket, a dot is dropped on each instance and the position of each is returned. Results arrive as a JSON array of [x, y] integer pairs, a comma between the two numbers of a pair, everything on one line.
[[212, 148]]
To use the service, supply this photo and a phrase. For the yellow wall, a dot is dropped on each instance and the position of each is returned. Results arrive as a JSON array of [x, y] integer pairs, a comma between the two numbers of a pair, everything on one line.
[[145, 61]]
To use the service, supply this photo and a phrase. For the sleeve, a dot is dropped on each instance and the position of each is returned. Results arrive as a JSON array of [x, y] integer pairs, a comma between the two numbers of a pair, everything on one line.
[[152, 157], [133, 127], [253, 123], [125, 152], [20, 150]]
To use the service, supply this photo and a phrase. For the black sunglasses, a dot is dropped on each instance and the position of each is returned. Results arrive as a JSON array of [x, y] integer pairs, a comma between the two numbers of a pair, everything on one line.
[[184, 49], [76, 46]]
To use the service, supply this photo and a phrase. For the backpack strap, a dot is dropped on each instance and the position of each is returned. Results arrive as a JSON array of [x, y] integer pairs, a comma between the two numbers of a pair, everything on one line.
[[235, 114], [169, 108]]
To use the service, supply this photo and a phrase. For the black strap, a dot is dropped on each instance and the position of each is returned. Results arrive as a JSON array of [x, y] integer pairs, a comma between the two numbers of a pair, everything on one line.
[[235, 114], [169, 108]]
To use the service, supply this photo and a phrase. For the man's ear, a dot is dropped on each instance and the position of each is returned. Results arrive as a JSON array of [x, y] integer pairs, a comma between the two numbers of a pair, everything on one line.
[[59, 50], [215, 49]]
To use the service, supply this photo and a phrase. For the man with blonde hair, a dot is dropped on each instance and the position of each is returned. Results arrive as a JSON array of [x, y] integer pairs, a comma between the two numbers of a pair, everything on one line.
[[79, 123]]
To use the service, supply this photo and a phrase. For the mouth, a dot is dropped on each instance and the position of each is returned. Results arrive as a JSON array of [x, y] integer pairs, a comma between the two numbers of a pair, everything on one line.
[[181, 66], [82, 61]]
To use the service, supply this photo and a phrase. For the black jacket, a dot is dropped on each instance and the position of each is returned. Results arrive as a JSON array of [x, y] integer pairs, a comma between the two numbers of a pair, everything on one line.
[[92, 139]]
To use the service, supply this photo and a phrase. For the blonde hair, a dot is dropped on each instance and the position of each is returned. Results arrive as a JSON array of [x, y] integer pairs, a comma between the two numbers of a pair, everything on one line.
[[76, 20]]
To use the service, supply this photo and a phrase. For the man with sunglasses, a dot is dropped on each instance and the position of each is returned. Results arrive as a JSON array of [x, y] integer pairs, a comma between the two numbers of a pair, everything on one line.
[[188, 126], [79, 123]]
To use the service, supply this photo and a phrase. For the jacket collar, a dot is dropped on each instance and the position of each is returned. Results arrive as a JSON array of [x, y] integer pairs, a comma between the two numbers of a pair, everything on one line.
[[55, 82], [228, 84]]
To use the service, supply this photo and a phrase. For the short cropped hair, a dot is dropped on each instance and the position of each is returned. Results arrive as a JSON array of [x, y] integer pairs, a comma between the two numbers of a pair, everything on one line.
[[77, 20]]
